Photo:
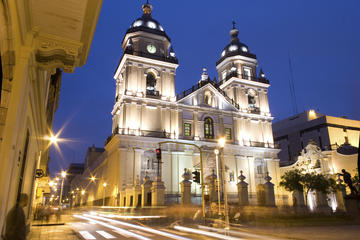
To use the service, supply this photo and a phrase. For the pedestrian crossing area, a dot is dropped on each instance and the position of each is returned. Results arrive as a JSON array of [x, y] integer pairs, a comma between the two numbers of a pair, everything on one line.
[[93, 230]]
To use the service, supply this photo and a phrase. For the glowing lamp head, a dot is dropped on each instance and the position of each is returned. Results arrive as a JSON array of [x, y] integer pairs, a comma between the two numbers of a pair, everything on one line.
[[216, 151], [51, 183], [57, 179], [221, 142], [82, 192], [93, 179], [63, 174], [105, 184]]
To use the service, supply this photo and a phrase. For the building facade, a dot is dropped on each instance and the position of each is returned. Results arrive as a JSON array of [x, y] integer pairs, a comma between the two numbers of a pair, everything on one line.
[[329, 133], [38, 41], [148, 112]]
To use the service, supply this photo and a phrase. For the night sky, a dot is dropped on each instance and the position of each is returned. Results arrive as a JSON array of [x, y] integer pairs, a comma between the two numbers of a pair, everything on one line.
[[322, 38]]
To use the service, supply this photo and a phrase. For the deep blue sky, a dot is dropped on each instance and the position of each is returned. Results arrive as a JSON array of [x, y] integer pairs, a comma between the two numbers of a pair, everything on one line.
[[322, 37]]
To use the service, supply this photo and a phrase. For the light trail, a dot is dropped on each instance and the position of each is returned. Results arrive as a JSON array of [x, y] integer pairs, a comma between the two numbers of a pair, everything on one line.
[[237, 233], [205, 233], [129, 217], [161, 233], [117, 229]]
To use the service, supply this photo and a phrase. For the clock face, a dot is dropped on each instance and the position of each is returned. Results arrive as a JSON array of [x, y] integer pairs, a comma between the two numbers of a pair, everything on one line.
[[151, 48]]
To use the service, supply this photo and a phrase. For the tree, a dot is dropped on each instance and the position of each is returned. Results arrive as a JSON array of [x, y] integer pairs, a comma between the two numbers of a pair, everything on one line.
[[296, 180], [291, 181]]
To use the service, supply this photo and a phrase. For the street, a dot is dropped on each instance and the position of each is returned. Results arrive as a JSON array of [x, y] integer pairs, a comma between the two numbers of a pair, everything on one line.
[[94, 225]]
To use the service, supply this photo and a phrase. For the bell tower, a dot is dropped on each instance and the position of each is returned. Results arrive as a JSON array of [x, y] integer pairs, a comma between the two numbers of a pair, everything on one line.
[[145, 77], [237, 68]]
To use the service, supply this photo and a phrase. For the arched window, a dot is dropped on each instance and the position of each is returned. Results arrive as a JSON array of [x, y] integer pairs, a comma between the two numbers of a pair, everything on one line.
[[150, 83], [208, 98], [208, 128], [251, 98]]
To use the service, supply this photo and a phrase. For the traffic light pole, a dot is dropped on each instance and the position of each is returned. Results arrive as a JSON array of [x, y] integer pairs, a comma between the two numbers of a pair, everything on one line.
[[201, 167]]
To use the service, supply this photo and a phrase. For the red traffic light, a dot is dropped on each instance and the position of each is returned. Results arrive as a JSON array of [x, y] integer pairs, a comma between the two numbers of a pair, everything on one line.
[[158, 153]]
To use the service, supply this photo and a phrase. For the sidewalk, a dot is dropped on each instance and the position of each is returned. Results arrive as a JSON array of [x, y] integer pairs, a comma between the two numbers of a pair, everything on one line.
[[53, 230]]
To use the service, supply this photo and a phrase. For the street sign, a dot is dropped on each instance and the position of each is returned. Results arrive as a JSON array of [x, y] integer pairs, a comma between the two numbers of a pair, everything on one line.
[[39, 173]]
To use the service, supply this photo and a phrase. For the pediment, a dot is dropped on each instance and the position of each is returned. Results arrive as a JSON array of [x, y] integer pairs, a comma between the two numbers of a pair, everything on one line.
[[208, 96]]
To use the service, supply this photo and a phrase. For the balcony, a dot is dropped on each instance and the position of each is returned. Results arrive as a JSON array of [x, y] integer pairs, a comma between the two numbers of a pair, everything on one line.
[[153, 56], [260, 144], [242, 76], [254, 110], [152, 94]]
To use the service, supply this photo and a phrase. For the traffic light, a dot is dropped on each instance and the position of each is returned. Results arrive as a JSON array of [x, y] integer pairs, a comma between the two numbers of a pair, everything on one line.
[[196, 176], [158, 153]]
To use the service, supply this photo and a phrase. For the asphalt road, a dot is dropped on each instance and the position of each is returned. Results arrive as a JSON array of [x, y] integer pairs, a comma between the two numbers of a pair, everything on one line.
[[96, 225]]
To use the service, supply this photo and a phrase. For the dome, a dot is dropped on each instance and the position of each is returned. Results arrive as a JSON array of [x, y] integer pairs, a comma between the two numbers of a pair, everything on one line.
[[147, 23], [235, 47]]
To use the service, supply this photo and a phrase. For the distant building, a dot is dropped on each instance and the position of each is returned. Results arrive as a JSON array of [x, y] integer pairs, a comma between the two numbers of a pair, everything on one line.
[[329, 133], [72, 171]]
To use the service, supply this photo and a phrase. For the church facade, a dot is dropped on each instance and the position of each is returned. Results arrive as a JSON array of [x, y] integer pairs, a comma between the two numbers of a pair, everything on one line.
[[148, 112]]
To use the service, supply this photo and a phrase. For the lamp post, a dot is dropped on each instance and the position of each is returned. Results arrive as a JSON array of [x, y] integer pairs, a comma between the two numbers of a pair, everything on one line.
[[216, 151], [63, 176], [221, 143], [104, 193]]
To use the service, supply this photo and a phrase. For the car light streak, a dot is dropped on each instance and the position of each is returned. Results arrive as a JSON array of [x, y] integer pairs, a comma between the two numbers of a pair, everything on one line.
[[129, 217], [165, 234], [238, 233], [205, 233], [119, 230]]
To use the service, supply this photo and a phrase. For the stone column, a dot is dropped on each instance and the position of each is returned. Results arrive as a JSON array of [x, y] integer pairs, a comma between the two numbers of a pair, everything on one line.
[[123, 195], [158, 192], [298, 199], [137, 193], [129, 192], [269, 192], [321, 202], [243, 190], [339, 196], [146, 191], [186, 188], [211, 182]]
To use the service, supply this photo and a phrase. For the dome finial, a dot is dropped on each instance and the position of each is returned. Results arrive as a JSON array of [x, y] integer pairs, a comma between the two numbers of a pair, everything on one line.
[[234, 24], [147, 8]]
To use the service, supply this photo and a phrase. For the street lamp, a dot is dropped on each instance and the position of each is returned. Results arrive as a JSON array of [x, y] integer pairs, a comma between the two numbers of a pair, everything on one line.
[[63, 176], [221, 143], [216, 151], [93, 178], [105, 184]]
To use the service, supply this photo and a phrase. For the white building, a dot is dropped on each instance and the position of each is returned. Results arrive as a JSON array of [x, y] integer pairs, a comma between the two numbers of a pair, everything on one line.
[[147, 111]]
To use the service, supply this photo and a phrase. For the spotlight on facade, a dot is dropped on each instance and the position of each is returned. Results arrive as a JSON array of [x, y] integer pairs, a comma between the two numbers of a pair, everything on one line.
[[105, 184], [82, 192]]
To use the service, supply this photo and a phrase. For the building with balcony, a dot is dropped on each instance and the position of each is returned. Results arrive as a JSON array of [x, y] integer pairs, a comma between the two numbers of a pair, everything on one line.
[[147, 112], [38, 41]]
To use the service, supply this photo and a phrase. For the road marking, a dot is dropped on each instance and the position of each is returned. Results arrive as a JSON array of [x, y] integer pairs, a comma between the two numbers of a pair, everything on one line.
[[105, 234], [86, 235], [120, 230], [142, 233], [165, 234], [172, 231], [205, 233], [237, 233]]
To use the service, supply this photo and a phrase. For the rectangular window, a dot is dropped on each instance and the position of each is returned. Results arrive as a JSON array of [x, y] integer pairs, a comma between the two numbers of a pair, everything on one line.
[[187, 129], [247, 73], [228, 133]]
